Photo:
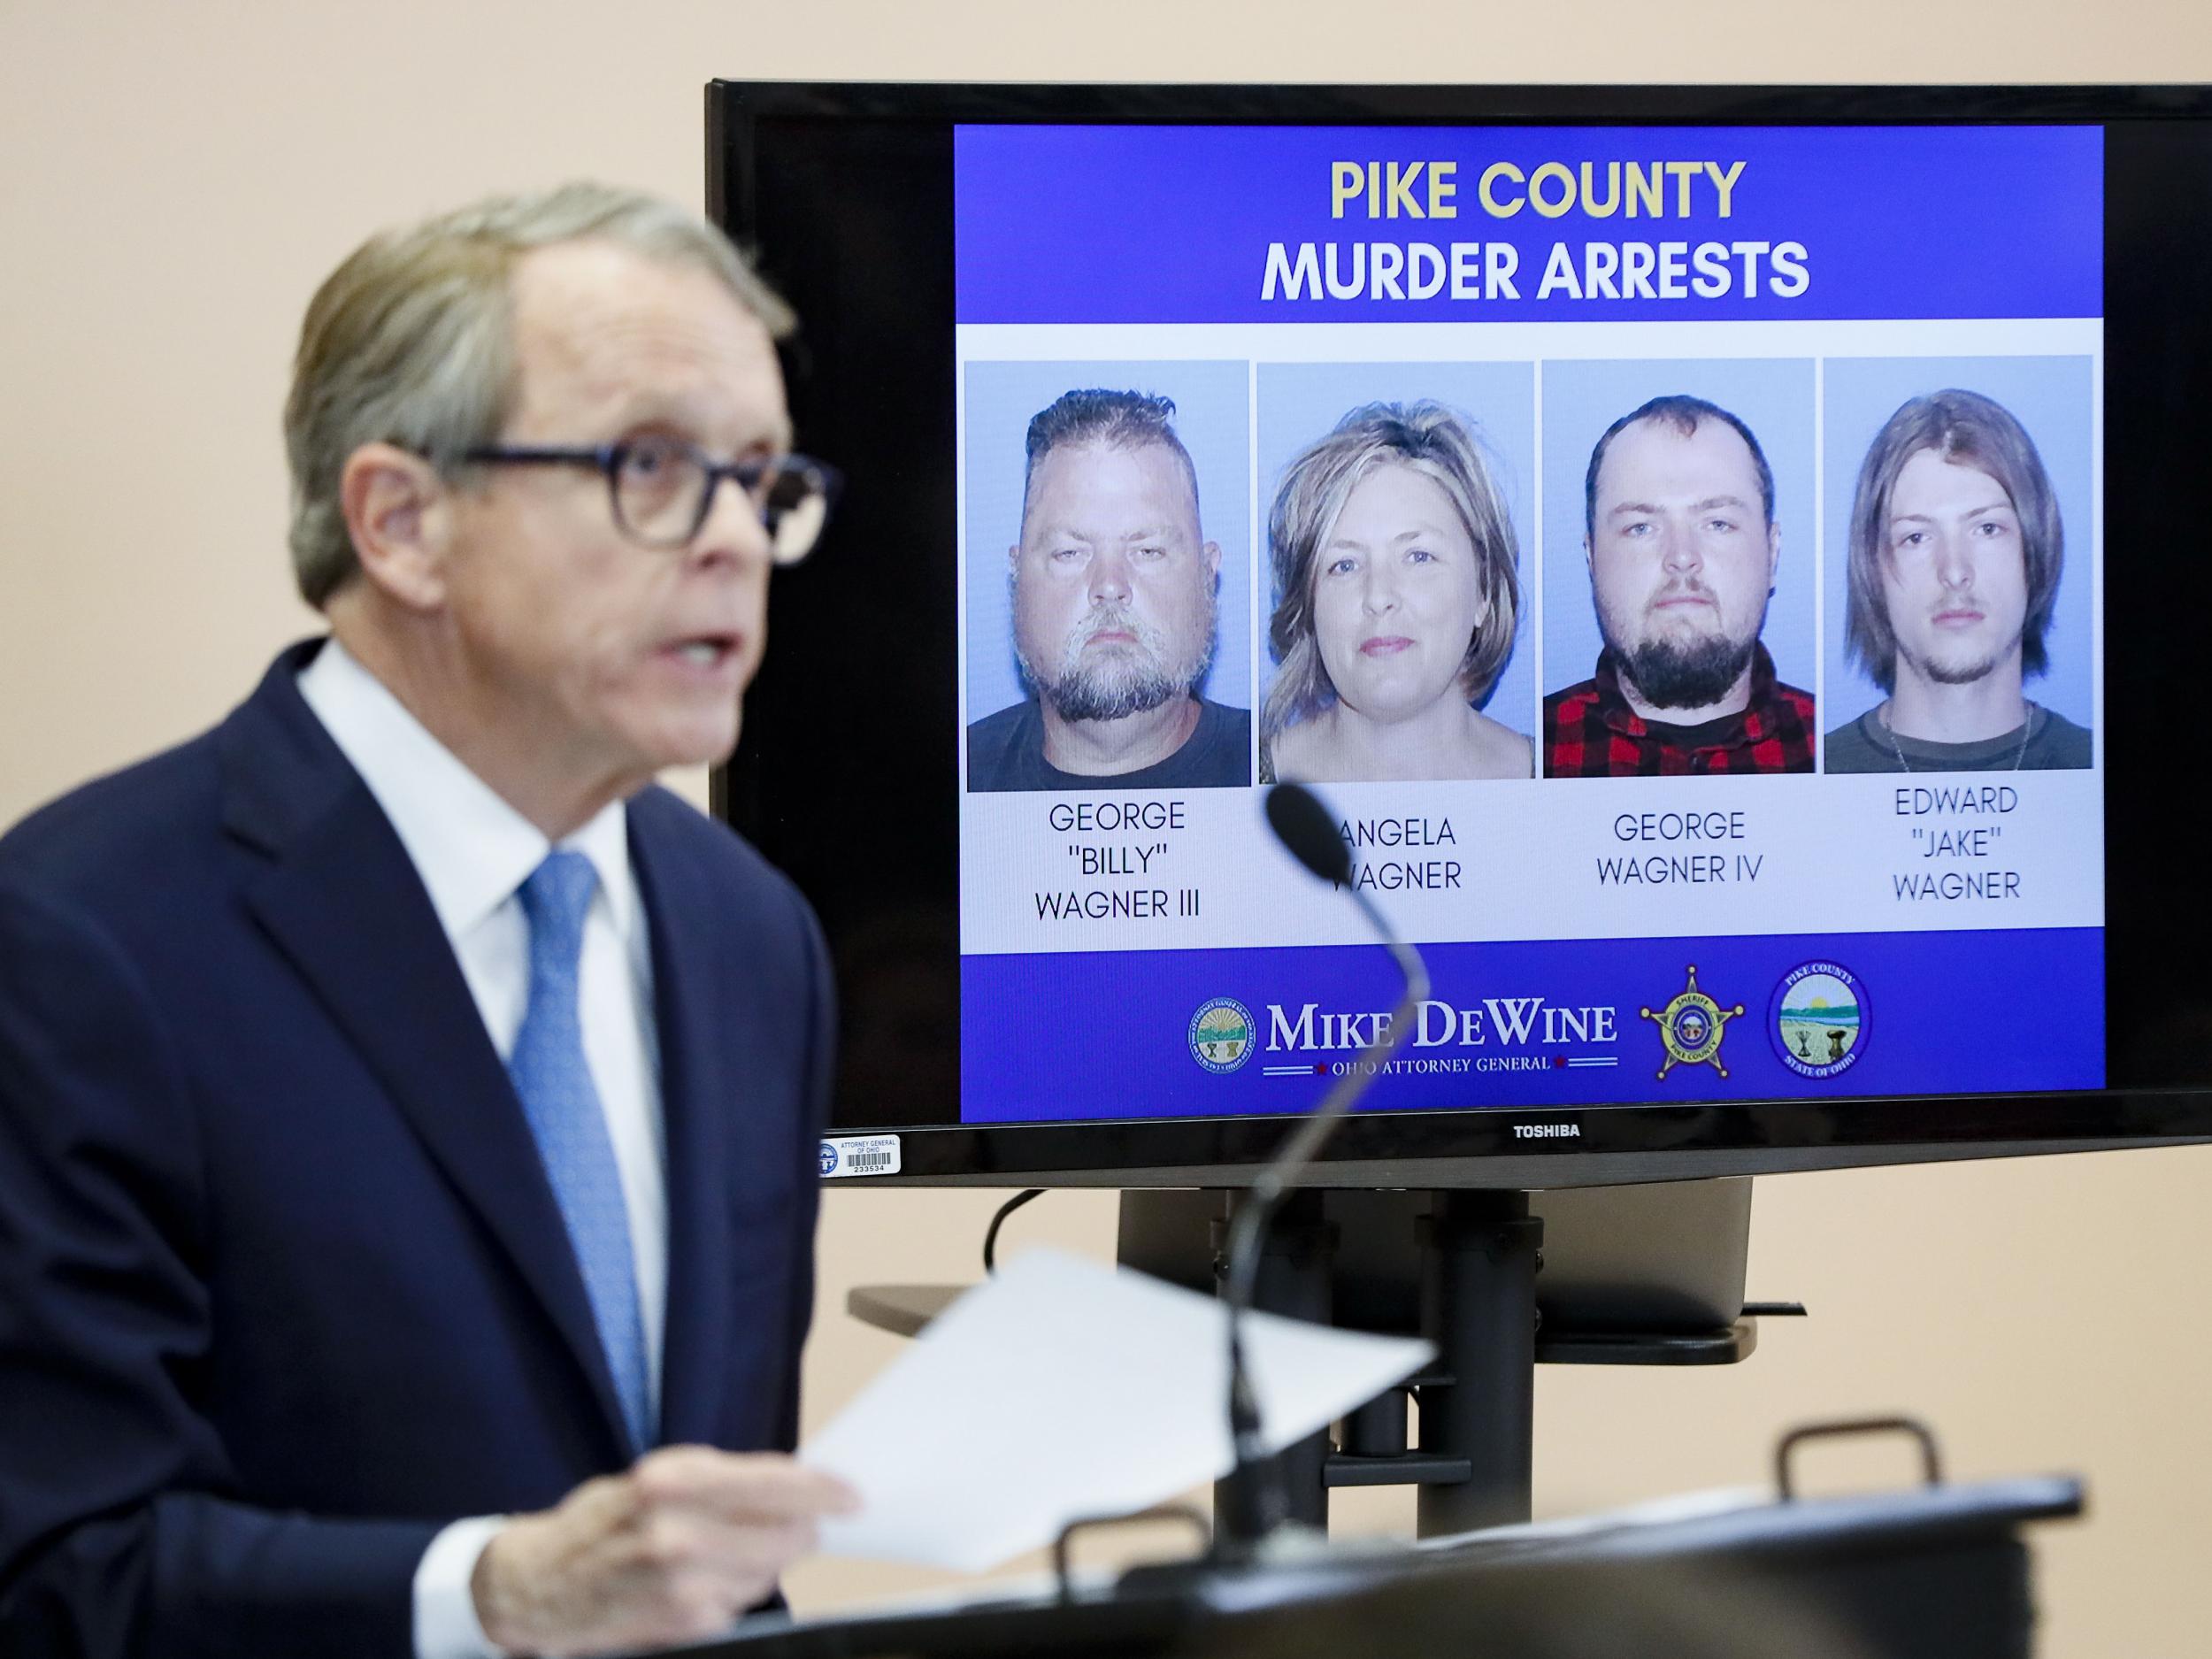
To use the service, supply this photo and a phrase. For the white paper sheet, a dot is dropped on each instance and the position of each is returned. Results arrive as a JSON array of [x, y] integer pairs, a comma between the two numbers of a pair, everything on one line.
[[1061, 1389]]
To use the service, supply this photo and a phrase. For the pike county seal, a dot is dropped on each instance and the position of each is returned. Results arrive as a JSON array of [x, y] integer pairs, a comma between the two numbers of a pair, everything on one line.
[[1221, 1034], [1691, 1026], [1818, 1019]]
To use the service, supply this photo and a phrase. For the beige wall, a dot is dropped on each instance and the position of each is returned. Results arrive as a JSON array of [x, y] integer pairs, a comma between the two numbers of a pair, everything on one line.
[[178, 177]]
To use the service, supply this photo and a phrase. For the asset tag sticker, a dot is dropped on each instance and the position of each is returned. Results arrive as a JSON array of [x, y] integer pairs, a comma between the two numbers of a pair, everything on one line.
[[859, 1155]]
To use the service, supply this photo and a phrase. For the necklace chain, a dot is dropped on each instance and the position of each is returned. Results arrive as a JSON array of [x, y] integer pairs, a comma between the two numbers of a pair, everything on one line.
[[1897, 750]]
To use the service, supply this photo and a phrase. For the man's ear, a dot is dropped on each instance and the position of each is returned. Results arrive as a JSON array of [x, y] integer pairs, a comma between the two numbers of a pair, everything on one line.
[[398, 513], [1211, 553], [1774, 555], [1587, 565], [1014, 557]]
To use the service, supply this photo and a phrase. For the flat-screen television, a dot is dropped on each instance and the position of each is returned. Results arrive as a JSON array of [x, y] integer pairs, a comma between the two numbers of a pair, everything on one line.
[[1725, 556]]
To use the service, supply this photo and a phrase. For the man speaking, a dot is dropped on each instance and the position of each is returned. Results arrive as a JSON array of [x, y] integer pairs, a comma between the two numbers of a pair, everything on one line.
[[1679, 529], [407, 1112], [1113, 590]]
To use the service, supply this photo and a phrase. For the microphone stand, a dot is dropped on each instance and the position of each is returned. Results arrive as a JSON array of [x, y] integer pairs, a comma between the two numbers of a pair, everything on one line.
[[1240, 1535]]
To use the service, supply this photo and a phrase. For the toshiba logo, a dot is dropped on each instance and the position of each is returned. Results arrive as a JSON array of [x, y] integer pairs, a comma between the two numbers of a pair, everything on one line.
[[1544, 1131]]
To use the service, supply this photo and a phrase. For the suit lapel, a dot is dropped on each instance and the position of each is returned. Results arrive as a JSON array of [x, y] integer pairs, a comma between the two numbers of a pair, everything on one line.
[[699, 1082], [343, 903]]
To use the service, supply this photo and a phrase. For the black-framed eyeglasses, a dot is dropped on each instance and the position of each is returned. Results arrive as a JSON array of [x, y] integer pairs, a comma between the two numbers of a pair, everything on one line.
[[662, 489]]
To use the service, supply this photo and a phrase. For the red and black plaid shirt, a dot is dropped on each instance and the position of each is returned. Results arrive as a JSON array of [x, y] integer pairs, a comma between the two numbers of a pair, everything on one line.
[[1591, 732]]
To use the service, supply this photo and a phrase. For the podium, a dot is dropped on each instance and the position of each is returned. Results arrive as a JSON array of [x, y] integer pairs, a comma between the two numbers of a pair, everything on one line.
[[1940, 1572]]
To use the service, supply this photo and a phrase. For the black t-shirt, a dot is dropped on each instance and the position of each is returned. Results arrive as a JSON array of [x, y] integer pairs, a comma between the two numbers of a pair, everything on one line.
[[1702, 735], [1006, 751]]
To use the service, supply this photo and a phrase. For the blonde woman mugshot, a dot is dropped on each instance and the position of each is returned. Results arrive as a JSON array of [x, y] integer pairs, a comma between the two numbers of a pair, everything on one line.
[[1396, 600]]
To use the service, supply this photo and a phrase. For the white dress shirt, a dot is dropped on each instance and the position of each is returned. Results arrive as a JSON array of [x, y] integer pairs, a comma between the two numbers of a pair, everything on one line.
[[473, 851]]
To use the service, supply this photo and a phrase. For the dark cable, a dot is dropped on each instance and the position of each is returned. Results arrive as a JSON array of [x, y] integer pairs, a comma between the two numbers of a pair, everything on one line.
[[1265, 1503], [1306, 828], [990, 1234]]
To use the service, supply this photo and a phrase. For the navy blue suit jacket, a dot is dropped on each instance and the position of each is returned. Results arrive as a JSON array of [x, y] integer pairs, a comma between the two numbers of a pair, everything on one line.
[[283, 1287]]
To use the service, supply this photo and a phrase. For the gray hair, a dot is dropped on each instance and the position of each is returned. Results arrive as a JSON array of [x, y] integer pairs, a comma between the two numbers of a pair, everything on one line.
[[410, 340], [1440, 444]]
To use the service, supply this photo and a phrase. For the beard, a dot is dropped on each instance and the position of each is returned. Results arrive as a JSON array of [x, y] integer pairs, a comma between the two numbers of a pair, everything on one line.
[[1671, 672], [1120, 681], [1956, 671], [1675, 674]]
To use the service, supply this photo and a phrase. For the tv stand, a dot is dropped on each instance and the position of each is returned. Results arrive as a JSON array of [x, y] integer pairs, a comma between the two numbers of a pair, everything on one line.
[[1631, 1276], [1499, 1281], [1478, 1255]]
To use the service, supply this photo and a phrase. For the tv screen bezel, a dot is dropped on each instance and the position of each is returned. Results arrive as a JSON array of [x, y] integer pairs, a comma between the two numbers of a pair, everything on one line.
[[1476, 1147]]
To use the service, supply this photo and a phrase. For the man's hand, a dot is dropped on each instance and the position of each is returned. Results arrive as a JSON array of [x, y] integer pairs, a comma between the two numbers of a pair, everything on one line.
[[672, 1551]]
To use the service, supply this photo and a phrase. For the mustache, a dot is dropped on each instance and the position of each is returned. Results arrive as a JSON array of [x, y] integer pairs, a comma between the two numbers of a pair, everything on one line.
[[1691, 589], [1112, 618]]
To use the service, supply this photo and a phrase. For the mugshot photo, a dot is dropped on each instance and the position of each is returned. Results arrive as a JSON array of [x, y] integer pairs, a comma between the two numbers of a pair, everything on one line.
[[1396, 508], [1959, 578], [1678, 573], [1109, 575]]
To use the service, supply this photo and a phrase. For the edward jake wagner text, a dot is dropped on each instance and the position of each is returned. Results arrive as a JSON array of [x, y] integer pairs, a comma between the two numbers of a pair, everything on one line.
[[1627, 270]]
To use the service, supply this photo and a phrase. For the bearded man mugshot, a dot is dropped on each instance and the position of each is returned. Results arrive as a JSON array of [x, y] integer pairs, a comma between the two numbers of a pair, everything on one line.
[[1956, 548], [1397, 596], [1113, 597], [1683, 546]]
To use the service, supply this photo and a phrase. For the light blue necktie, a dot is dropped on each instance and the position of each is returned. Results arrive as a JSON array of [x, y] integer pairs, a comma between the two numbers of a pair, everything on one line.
[[562, 1104]]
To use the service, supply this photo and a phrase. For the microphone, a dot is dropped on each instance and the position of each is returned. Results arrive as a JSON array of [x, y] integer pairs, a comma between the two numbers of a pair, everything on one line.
[[1301, 824], [1305, 828]]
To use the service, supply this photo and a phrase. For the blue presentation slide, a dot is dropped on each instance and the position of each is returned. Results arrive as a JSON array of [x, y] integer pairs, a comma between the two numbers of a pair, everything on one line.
[[1673, 554]]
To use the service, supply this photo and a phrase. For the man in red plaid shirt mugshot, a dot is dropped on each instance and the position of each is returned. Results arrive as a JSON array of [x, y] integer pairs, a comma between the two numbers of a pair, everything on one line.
[[1679, 532]]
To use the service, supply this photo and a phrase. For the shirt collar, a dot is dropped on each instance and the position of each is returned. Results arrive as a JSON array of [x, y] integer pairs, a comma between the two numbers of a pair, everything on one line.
[[469, 847], [1613, 704]]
